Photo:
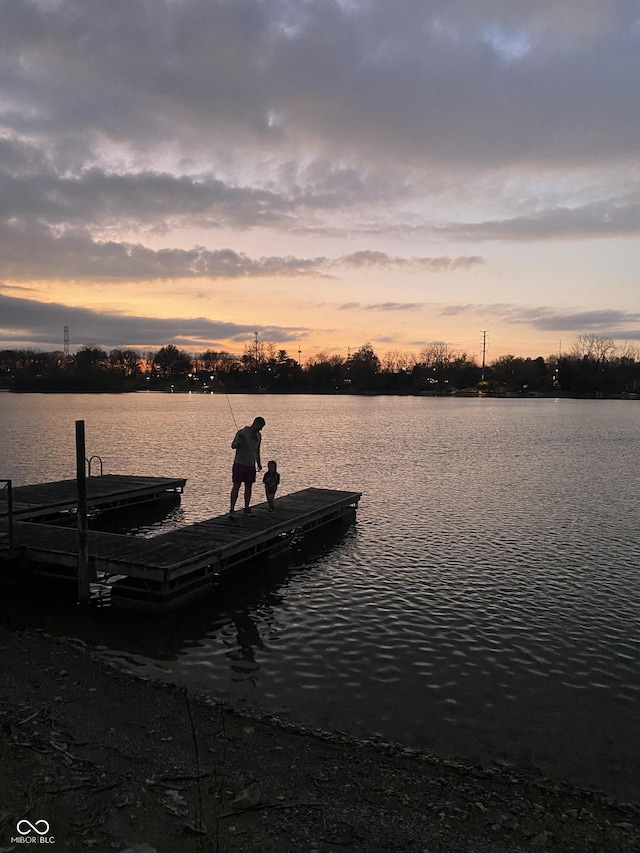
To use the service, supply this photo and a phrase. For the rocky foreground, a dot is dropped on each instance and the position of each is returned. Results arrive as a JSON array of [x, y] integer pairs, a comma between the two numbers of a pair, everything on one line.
[[113, 763]]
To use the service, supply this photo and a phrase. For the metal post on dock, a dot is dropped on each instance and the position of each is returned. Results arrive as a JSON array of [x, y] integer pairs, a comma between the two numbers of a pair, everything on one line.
[[83, 527]]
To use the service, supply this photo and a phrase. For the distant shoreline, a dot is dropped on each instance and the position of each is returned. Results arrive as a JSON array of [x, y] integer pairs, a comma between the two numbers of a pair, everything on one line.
[[508, 395]]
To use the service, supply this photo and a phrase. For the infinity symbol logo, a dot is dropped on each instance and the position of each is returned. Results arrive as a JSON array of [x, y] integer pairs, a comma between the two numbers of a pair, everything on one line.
[[41, 827]]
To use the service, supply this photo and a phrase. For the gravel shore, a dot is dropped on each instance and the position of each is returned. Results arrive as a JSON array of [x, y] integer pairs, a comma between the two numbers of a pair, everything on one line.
[[115, 763]]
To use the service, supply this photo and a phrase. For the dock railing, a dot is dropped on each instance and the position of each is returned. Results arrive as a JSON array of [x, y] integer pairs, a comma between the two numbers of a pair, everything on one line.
[[90, 461], [6, 519]]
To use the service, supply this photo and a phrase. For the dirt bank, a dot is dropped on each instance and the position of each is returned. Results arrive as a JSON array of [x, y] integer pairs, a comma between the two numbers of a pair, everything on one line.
[[113, 763]]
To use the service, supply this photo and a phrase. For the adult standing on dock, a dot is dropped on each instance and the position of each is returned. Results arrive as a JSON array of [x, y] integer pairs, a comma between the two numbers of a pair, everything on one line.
[[247, 447]]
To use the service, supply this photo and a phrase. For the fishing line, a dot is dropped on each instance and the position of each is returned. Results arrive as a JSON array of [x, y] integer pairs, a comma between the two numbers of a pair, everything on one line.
[[231, 410]]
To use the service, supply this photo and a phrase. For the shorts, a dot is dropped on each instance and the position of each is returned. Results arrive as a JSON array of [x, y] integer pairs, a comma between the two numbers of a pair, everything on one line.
[[243, 473]]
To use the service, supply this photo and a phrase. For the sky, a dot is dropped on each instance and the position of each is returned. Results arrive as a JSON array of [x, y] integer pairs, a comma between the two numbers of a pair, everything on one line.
[[324, 173]]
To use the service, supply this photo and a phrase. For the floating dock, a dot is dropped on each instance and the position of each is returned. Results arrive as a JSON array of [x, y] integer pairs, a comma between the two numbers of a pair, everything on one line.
[[51, 501], [166, 570]]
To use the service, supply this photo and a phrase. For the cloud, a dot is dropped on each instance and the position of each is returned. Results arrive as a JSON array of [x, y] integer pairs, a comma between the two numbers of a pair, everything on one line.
[[367, 259], [33, 251], [36, 251], [597, 220], [381, 306], [394, 306], [438, 82], [42, 324], [319, 116], [585, 321], [607, 322], [92, 196]]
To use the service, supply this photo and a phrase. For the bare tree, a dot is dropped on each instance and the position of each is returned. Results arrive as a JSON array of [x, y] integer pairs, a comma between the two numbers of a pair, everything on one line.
[[593, 347], [630, 353], [319, 358], [258, 352], [390, 361], [437, 356], [394, 361], [126, 361]]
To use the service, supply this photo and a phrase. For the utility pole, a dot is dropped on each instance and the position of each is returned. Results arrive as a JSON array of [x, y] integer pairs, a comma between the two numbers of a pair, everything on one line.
[[484, 350]]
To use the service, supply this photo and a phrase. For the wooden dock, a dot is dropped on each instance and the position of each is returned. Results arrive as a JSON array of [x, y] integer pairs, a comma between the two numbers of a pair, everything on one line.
[[169, 569], [50, 501]]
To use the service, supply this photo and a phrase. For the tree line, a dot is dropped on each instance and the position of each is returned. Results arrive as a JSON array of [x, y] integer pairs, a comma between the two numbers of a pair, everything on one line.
[[594, 367]]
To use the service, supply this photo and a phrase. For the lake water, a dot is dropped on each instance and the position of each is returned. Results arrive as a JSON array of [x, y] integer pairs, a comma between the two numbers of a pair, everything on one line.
[[485, 605]]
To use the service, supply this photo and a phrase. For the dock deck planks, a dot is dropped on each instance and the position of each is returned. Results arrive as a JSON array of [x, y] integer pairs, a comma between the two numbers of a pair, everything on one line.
[[187, 556], [108, 491]]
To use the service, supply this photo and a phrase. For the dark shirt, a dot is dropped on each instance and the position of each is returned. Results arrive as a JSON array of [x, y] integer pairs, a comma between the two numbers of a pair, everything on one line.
[[271, 481]]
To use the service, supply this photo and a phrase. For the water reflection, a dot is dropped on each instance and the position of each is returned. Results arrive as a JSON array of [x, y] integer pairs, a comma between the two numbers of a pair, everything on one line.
[[242, 657], [228, 611], [146, 520]]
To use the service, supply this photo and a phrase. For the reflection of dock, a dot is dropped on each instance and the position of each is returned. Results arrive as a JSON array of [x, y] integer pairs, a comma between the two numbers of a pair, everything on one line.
[[168, 569]]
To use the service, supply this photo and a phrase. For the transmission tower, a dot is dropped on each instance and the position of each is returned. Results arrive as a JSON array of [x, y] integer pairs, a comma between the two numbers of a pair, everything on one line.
[[66, 342]]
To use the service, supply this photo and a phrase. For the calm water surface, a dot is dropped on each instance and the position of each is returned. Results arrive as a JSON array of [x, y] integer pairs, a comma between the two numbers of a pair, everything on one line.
[[485, 604]]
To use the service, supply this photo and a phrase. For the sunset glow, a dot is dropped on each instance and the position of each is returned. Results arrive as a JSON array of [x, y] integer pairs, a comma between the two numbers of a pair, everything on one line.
[[323, 173]]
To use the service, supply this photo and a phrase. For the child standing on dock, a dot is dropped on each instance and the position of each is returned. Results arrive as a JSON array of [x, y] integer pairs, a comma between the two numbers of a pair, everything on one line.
[[271, 482]]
